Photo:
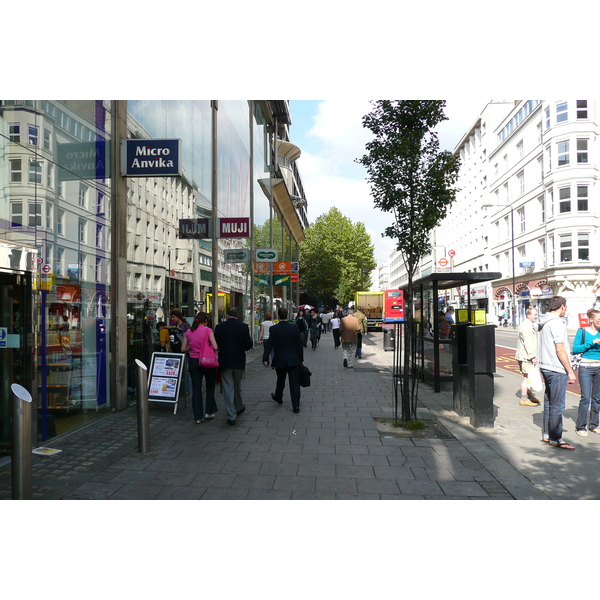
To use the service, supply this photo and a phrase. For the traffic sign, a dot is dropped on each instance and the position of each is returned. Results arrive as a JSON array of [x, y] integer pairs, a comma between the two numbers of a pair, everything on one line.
[[443, 262], [451, 253]]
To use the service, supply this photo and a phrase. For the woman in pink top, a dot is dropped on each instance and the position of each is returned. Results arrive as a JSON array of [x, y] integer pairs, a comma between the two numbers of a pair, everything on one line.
[[195, 338]]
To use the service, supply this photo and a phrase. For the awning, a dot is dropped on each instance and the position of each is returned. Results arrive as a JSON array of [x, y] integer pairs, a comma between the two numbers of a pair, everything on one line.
[[284, 204]]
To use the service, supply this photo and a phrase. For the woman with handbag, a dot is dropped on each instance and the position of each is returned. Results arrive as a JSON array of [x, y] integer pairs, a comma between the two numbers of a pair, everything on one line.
[[587, 342], [202, 362]]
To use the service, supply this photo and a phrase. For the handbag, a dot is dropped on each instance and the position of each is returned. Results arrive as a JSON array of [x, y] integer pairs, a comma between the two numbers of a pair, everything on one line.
[[304, 376], [208, 359], [535, 380], [576, 358]]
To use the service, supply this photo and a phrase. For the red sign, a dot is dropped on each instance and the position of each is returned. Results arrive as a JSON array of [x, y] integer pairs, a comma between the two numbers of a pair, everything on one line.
[[282, 267], [234, 227], [443, 262], [451, 253], [294, 276]]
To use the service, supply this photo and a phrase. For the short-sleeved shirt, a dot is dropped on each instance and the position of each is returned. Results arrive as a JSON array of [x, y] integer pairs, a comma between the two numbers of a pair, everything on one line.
[[165, 337], [553, 330]]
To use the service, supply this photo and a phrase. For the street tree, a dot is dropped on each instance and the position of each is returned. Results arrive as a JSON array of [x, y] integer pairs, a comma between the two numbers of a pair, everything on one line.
[[331, 258], [415, 182]]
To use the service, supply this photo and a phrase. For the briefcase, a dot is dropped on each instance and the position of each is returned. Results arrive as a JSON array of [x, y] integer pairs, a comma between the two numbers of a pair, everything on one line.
[[304, 376]]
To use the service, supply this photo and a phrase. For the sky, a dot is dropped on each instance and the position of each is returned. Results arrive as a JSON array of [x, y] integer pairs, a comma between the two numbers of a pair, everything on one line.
[[331, 137]]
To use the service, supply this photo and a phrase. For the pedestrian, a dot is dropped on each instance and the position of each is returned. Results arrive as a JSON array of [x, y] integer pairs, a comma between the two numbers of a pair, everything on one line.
[[444, 326], [264, 329], [349, 327], [195, 339], [315, 330], [362, 319], [526, 355], [555, 367], [587, 342], [449, 315], [302, 326], [164, 338], [233, 339], [325, 318], [285, 341], [179, 320], [335, 330]]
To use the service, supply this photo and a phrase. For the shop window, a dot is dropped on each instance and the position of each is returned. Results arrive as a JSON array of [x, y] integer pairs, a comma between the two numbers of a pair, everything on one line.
[[583, 246], [582, 197], [16, 214], [14, 133], [563, 153], [562, 113], [564, 202], [35, 172], [582, 151], [566, 250], [582, 106], [16, 170]]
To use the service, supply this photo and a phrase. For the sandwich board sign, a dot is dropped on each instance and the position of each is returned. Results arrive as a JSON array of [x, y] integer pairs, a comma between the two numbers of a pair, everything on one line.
[[164, 377]]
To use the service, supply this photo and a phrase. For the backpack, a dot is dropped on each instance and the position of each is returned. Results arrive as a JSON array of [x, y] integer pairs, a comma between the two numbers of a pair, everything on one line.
[[176, 339]]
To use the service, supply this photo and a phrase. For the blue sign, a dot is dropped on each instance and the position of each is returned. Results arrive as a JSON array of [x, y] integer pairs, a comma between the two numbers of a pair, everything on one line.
[[527, 265], [150, 158]]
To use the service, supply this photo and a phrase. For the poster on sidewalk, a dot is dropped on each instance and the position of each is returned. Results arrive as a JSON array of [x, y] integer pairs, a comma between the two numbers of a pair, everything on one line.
[[164, 378]]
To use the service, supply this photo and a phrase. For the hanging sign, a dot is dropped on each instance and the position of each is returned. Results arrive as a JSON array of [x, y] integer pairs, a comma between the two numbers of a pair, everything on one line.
[[239, 255], [151, 158], [233, 227], [261, 267], [281, 280], [197, 229], [267, 254]]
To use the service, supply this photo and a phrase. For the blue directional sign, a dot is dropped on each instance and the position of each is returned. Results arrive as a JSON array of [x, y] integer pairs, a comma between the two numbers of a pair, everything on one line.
[[3, 337], [151, 158]]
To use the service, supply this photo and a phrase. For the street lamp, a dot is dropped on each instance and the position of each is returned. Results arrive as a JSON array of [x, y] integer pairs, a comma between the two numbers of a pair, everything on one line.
[[512, 243]]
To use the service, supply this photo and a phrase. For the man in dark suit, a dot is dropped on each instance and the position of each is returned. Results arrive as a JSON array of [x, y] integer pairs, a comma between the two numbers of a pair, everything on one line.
[[233, 339], [285, 339]]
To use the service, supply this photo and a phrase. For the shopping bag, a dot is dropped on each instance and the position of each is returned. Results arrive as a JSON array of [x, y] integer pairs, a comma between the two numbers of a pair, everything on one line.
[[535, 380]]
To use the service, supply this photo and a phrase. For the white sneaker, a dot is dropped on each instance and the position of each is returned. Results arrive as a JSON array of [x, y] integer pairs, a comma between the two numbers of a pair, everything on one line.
[[581, 433], [207, 416]]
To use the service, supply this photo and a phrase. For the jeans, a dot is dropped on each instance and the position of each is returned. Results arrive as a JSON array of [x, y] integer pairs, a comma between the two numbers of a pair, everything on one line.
[[554, 403], [359, 345], [197, 373], [232, 391], [349, 350], [589, 381]]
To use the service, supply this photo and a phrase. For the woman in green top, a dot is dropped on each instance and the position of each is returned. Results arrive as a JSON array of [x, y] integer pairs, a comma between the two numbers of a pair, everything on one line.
[[589, 374]]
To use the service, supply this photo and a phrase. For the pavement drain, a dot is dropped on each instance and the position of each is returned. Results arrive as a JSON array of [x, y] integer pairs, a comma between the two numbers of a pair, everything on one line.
[[433, 430]]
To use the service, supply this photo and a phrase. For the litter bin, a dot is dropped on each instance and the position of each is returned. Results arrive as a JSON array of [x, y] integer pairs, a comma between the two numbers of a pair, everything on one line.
[[481, 366], [389, 338]]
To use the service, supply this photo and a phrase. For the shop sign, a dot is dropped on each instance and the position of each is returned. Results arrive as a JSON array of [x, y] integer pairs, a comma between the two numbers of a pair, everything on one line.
[[261, 267], [150, 158], [233, 227], [197, 229], [527, 264], [239, 255], [262, 279], [83, 160], [281, 280], [294, 277], [267, 254], [282, 267]]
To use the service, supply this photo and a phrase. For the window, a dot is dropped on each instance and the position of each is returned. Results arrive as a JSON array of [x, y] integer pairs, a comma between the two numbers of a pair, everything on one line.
[[582, 154], [520, 149], [59, 261], [551, 255], [506, 197], [582, 112], [16, 214], [16, 175], [583, 246], [541, 167], [35, 171], [49, 216], [60, 222], [33, 135], [14, 133], [563, 153], [505, 159], [564, 200], [100, 203], [521, 216], [582, 197], [542, 262], [81, 229], [83, 189], [35, 214], [547, 118], [46, 139], [566, 251], [539, 133], [521, 178], [562, 113], [551, 202], [99, 236], [542, 202], [496, 169]]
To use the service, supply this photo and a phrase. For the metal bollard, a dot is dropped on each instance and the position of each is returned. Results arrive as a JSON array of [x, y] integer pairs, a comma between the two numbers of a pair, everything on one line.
[[21, 455], [143, 416]]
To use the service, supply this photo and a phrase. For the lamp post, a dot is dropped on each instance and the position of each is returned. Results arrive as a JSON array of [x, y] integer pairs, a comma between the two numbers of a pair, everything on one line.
[[512, 243]]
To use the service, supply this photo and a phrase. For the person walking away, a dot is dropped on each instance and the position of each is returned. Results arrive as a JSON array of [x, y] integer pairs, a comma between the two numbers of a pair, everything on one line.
[[233, 339], [264, 329], [335, 330], [349, 327], [362, 319], [526, 355], [195, 338], [285, 342], [587, 342], [555, 367], [164, 339], [315, 330], [302, 326]]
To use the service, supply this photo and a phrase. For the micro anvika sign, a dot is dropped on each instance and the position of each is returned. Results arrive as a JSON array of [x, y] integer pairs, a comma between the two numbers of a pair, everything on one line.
[[150, 158]]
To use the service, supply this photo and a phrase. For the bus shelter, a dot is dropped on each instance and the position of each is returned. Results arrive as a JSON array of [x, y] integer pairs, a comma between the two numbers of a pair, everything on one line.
[[433, 348]]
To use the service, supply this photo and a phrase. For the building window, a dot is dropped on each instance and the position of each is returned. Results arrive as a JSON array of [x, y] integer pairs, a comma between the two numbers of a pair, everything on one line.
[[582, 197], [505, 159], [566, 250], [542, 262], [81, 236], [521, 178], [539, 133], [542, 202], [547, 118], [582, 151], [99, 236], [33, 135], [59, 261], [35, 214], [551, 202], [60, 222], [583, 246], [35, 171], [541, 167], [562, 113], [582, 106], [14, 133], [50, 175], [83, 189], [50, 216], [521, 216], [551, 255], [564, 200], [506, 197], [563, 153], [16, 214], [520, 149], [46, 139], [16, 174], [496, 169]]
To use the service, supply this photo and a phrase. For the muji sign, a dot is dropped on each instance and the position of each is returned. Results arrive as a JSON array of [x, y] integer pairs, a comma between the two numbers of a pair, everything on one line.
[[233, 227]]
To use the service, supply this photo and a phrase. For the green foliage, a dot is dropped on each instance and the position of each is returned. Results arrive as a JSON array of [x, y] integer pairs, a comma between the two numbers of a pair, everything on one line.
[[330, 257], [411, 425], [409, 176]]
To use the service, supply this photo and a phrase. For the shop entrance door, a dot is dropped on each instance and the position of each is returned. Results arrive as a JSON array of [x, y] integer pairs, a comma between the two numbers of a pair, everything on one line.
[[16, 356]]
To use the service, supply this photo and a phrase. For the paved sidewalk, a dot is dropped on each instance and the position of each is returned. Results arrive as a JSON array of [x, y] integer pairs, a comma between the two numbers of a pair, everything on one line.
[[332, 449]]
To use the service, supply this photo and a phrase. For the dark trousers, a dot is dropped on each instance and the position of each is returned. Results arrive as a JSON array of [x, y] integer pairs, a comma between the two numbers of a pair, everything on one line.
[[336, 337], [293, 374], [197, 373]]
